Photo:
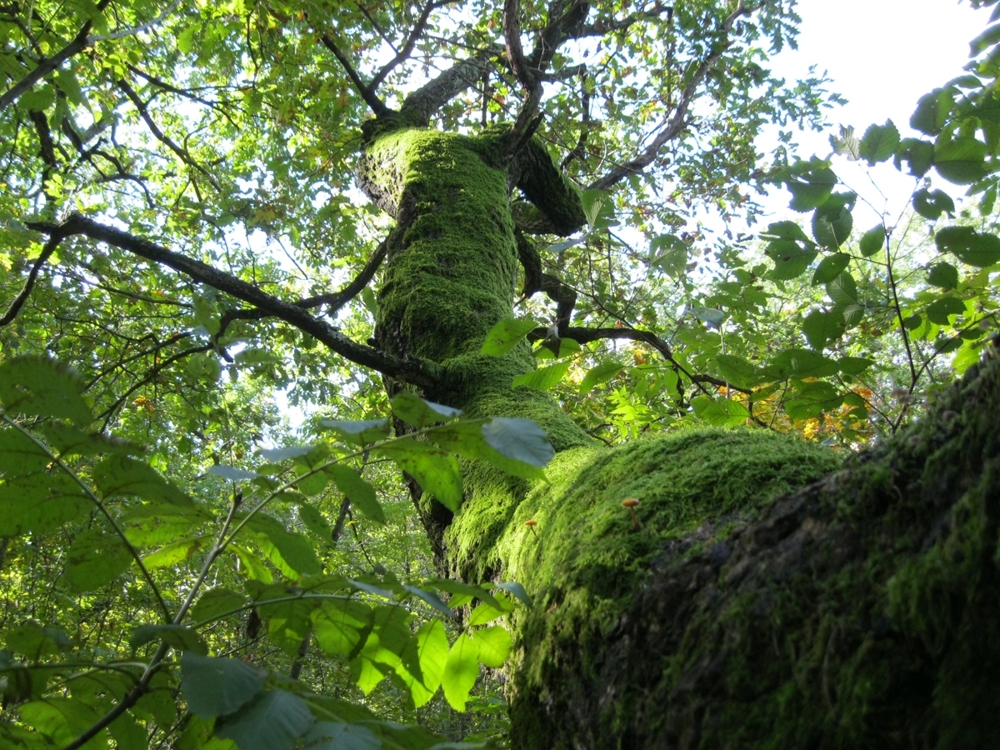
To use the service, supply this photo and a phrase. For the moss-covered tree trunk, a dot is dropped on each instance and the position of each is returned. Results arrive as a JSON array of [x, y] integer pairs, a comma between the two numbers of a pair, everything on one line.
[[860, 610]]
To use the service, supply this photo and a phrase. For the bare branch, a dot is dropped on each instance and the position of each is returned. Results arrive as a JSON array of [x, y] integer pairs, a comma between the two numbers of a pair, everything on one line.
[[417, 372]]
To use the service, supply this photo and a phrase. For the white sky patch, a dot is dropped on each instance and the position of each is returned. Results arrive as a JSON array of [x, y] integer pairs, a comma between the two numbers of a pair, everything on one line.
[[882, 56]]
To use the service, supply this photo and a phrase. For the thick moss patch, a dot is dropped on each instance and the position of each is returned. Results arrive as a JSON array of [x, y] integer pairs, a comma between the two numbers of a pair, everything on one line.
[[587, 557]]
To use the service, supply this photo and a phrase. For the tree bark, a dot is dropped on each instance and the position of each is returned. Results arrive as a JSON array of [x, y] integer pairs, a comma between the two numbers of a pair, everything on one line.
[[860, 610]]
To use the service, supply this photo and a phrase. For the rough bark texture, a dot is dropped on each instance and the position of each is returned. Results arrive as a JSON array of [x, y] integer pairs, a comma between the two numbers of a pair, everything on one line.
[[860, 611]]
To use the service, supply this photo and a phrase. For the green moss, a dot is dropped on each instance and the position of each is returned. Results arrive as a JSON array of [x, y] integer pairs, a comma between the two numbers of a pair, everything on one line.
[[453, 259], [585, 559]]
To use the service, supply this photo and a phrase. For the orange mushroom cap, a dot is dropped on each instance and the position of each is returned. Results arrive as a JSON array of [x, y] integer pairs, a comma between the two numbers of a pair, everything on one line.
[[531, 522], [630, 502]]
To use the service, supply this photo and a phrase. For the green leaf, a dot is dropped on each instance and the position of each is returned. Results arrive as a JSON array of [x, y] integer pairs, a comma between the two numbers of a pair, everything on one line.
[[431, 598], [315, 521], [932, 203], [944, 275], [669, 253], [215, 686], [216, 602], [505, 335], [961, 160], [171, 554], [516, 590], [737, 371], [39, 387], [785, 230], [294, 549], [34, 641], [277, 455], [430, 649], [720, 413], [854, 365], [419, 413], [942, 309], [832, 222], [811, 189], [598, 209], [121, 476], [790, 259], [358, 491], [434, 468], [494, 646], [602, 373], [969, 246], [709, 315], [95, 559], [872, 241], [520, 440], [846, 143], [39, 501], [932, 112], [361, 432], [231, 473], [62, 720], [843, 290], [339, 625], [917, 153], [879, 142], [800, 363], [830, 267], [273, 720], [178, 637], [460, 671], [821, 327], [486, 612], [329, 735], [543, 378]]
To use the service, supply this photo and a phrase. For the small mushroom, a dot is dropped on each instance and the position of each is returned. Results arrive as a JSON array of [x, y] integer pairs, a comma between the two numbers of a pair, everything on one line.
[[531, 523], [631, 503]]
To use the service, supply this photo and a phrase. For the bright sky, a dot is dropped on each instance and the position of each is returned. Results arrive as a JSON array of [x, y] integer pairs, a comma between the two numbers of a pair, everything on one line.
[[882, 56]]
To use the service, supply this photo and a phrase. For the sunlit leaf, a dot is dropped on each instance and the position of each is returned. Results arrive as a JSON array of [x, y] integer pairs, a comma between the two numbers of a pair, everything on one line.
[[505, 335], [419, 413]]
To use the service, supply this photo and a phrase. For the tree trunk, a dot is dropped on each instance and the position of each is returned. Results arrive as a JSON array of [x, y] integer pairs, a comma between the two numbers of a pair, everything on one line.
[[860, 610]]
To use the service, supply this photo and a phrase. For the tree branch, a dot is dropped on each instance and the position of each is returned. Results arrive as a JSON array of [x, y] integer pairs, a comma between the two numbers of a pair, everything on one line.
[[411, 41], [374, 103], [417, 372], [675, 124], [182, 153], [334, 301], [29, 284], [80, 42], [430, 97]]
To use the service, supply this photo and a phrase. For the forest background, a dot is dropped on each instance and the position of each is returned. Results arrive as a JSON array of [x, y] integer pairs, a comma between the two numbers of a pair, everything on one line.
[[185, 228]]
